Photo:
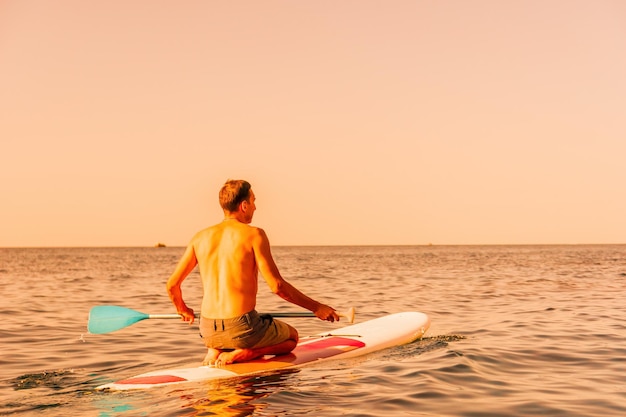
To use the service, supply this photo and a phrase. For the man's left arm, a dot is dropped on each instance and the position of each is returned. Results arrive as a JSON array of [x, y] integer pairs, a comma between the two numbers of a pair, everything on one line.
[[279, 286]]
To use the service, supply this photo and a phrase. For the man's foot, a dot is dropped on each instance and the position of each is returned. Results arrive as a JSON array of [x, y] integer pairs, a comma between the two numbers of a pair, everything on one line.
[[211, 357], [237, 355]]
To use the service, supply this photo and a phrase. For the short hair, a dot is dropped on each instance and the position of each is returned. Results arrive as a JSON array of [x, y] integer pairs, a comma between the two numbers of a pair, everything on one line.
[[233, 193]]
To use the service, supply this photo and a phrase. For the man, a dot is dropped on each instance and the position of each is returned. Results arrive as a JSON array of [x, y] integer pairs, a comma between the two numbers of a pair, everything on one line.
[[229, 256]]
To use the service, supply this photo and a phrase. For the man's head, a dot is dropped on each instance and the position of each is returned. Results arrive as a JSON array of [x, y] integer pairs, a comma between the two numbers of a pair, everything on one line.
[[234, 193]]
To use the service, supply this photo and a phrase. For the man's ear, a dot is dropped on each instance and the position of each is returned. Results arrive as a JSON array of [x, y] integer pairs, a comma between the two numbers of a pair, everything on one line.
[[243, 206]]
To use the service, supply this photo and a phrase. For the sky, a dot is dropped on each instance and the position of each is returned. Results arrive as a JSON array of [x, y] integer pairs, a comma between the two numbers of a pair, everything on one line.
[[356, 122]]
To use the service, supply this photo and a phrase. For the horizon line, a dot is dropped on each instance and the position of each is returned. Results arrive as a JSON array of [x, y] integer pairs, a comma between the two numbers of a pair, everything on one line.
[[163, 246]]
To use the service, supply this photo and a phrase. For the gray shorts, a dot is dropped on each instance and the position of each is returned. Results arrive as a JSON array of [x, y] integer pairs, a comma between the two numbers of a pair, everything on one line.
[[250, 330]]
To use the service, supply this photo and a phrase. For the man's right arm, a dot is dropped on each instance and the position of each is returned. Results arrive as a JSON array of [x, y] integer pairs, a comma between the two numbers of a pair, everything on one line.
[[186, 264]]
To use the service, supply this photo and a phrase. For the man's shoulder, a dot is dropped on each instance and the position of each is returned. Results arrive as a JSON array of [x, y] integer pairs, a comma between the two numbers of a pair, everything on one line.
[[204, 234], [218, 229], [205, 231], [257, 230], [253, 232]]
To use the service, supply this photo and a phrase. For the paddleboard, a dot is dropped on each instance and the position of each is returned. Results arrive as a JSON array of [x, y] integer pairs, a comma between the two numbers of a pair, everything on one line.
[[346, 342]]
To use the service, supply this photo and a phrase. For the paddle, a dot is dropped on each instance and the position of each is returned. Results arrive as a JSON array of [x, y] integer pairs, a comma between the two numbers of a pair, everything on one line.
[[106, 319]]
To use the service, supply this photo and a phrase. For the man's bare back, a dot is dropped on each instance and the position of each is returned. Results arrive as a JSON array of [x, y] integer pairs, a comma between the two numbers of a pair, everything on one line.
[[228, 268], [230, 256]]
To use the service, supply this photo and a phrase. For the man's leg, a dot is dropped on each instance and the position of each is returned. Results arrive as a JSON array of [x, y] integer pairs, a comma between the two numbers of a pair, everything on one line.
[[242, 355]]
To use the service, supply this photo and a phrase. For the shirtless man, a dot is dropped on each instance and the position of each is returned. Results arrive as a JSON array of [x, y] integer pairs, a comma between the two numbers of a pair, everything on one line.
[[229, 256]]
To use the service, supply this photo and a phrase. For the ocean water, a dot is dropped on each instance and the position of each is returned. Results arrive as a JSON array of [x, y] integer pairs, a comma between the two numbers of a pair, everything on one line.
[[516, 331]]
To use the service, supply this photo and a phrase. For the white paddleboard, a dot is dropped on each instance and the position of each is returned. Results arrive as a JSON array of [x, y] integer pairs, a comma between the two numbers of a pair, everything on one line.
[[350, 341]]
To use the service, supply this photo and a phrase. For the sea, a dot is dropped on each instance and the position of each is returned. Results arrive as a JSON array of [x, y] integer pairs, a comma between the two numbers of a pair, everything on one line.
[[525, 330]]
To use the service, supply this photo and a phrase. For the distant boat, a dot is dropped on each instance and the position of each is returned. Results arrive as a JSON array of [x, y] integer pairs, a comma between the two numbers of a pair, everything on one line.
[[159, 245]]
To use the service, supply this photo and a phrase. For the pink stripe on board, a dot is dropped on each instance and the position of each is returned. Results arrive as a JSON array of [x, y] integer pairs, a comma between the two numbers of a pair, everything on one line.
[[330, 342]]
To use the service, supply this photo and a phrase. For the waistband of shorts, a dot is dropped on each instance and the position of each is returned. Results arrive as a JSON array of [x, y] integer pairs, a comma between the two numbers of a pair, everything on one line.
[[250, 314]]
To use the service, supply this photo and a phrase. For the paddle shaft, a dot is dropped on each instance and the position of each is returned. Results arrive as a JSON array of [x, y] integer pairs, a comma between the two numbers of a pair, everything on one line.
[[294, 314], [106, 319], [286, 314]]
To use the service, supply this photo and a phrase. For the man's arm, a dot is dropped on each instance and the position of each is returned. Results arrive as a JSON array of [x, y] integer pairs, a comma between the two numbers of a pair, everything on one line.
[[282, 288], [186, 264]]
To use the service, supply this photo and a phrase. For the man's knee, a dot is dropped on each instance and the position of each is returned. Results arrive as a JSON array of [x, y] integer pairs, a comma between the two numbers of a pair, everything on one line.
[[293, 334]]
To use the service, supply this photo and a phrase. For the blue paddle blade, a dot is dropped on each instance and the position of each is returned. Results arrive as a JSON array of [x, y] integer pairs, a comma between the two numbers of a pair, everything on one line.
[[106, 319]]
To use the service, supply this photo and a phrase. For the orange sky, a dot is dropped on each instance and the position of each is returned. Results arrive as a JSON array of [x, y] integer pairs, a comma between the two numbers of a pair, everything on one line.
[[357, 122]]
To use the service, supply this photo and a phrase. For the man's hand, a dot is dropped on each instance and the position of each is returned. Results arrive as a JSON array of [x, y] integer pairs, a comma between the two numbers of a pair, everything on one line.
[[327, 313], [187, 315]]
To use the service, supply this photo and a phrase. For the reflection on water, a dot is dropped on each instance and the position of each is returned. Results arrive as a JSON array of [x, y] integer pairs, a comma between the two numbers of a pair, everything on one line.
[[238, 397], [231, 397]]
